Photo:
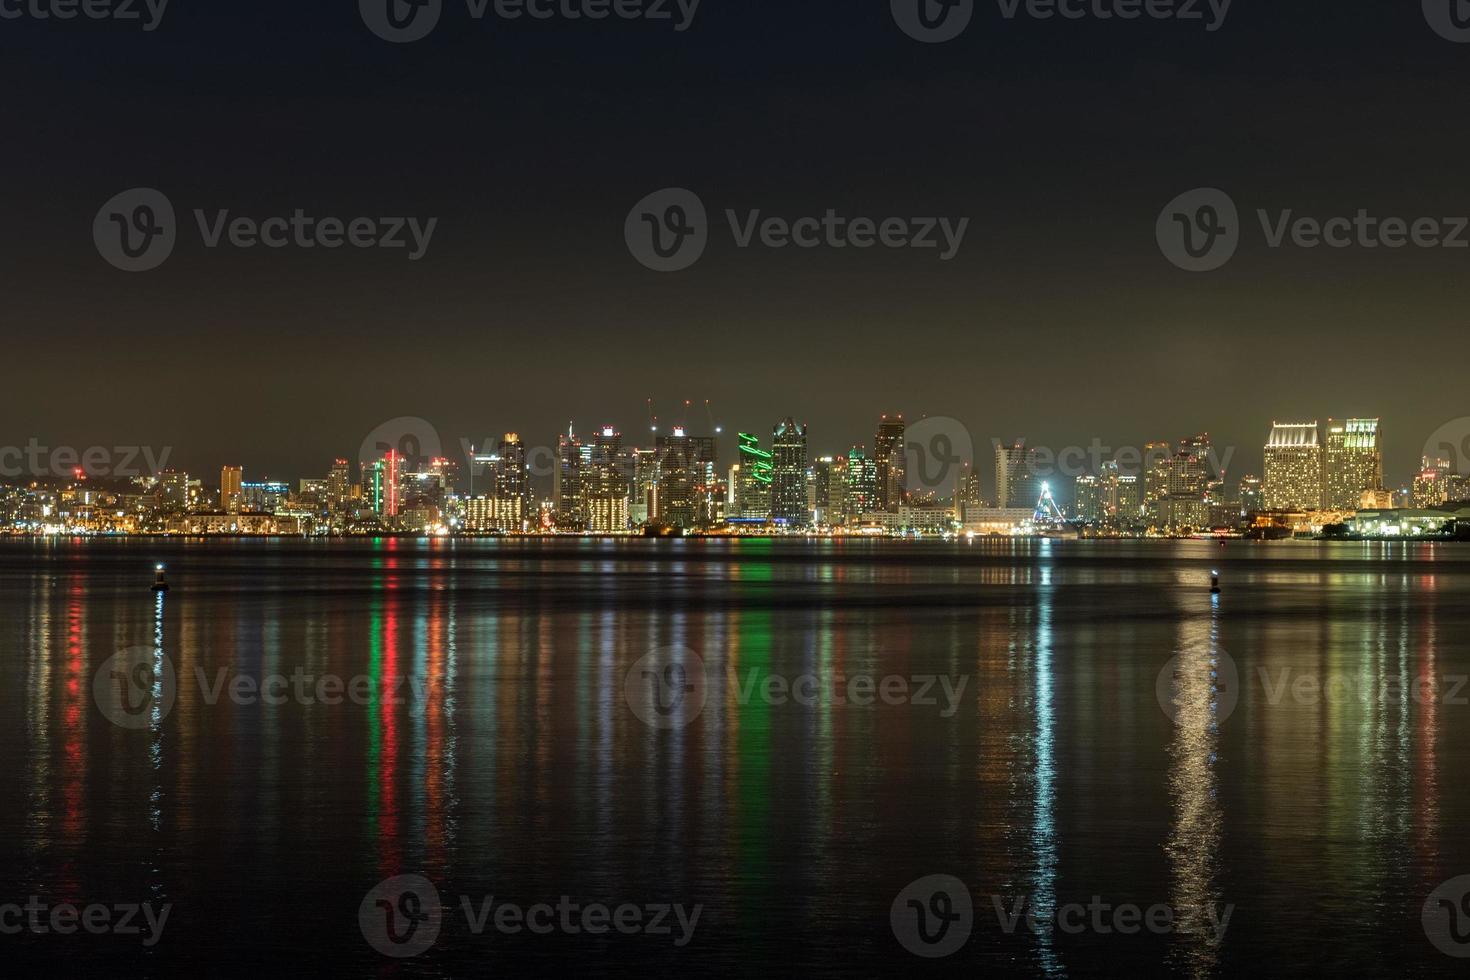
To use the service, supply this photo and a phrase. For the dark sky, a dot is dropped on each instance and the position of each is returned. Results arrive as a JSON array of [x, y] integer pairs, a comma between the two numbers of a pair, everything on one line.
[[1061, 141]]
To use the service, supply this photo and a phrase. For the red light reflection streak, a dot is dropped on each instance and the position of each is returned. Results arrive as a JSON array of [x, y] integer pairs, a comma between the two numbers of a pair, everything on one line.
[[1426, 773], [390, 853], [74, 744]]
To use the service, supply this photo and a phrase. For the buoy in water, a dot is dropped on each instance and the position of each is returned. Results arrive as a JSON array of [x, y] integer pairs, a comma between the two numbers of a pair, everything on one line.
[[160, 580], [1214, 583]]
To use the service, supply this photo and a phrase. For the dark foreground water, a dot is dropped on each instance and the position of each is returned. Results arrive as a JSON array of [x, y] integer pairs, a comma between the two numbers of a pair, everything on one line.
[[1169, 783]]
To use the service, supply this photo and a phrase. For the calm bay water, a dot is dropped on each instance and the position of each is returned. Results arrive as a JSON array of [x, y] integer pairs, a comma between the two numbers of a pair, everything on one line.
[[1317, 794]]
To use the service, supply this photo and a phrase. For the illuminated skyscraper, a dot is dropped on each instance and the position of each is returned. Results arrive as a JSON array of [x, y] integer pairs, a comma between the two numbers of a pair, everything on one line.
[[1432, 483], [1354, 462], [1252, 495], [1016, 482], [339, 481], [862, 484], [173, 489], [888, 459], [605, 483], [566, 481], [788, 474], [230, 480], [751, 484], [1293, 467], [1090, 500]]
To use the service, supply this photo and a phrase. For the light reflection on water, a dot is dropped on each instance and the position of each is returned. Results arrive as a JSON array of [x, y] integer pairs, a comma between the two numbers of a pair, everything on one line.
[[507, 763]]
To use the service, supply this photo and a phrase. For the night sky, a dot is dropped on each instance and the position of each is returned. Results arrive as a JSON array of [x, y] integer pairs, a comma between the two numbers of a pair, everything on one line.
[[1061, 141]]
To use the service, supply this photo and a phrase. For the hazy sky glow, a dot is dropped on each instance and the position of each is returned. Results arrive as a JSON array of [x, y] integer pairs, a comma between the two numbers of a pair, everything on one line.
[[1060, 141]]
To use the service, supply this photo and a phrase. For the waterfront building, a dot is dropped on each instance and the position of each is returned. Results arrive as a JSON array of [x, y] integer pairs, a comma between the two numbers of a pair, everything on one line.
[[1353, 462], [788, 474], [888, 462], [1293, 455]]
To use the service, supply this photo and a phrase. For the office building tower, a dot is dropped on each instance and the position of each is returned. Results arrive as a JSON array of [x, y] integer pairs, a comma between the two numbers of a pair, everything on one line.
[[751, 484], [888, 459], [566, 480], [862, 484], [1432, 483], [1090, 499], [339, 483], [230, 480], [1293, 467], [1252, 495], [605, 483], [1354, 462], [1016, 482], [788, 474]]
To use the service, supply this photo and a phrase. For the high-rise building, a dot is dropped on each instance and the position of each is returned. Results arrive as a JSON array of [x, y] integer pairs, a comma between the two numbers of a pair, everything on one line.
[[1432, 483], [1187, 476], [339, 481], [751, 484], [173, 489], [230, 480], [1354, 462], [788, 474], [605, 483], [825, 489], [566, 481], [684, 469], [1129, 509], [1156, 462], [1252, 495], [1293, 467], [1090, 499], [888, 449], [862, 484], [1016, 482]]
